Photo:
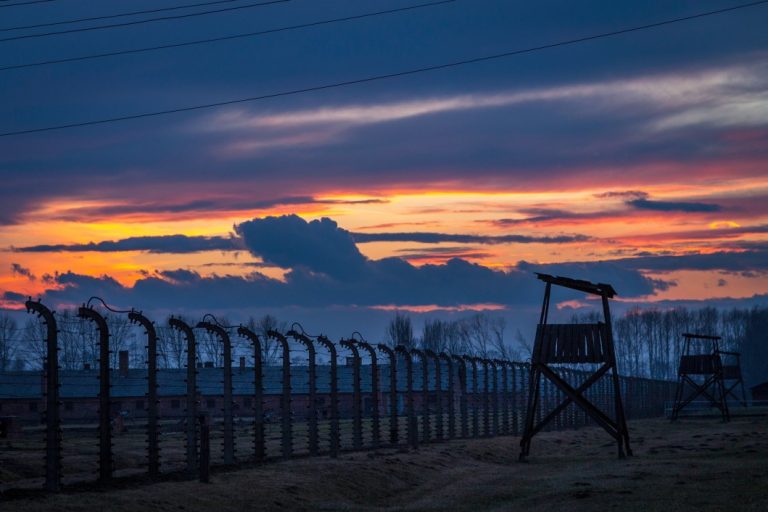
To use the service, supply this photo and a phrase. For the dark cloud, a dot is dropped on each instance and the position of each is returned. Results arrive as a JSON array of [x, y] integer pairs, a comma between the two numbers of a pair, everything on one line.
[[17, 269], [673, 206], [390, 281], [13, 296], [753, 260], [291, 242], [156, 244], [327, 269], [435, 238], [538, 215], [204, 205], [622, 194]]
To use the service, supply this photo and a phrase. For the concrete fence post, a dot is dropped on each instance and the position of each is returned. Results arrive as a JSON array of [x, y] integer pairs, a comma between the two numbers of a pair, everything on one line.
[[52, 403], [334, 384], [228, 444], [259, 445], [191, 412], [153, 432], [393, 420], [105, 401]]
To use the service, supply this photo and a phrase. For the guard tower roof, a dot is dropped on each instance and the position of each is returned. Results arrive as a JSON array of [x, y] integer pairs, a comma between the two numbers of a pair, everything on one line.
[[602, 289]]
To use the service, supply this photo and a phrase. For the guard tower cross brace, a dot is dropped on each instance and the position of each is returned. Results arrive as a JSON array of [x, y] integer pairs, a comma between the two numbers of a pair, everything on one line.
[[573, 344]]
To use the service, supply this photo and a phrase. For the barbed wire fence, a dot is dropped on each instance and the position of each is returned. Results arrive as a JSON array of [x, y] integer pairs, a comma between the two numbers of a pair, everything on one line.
[[266, 392]]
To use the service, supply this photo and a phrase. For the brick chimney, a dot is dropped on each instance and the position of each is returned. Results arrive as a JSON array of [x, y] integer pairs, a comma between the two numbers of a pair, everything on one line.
[[242, 363], [122, 363]]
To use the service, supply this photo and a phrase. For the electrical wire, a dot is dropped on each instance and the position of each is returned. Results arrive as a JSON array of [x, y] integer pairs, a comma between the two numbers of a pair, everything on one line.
[[88, 304], [24, 3], [140, 22], [375, 78], [119, 15], [223, 38]]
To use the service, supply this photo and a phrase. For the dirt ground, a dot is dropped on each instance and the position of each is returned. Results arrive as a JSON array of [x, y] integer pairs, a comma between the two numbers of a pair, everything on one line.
[[694, 464]]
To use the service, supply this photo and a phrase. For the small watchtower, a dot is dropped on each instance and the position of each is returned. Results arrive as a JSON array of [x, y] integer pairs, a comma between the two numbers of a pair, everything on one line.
[[575, 344], [702, 370], [732, 376]]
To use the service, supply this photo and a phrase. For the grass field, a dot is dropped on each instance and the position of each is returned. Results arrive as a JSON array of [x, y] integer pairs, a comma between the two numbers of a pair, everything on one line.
[[694, 464]]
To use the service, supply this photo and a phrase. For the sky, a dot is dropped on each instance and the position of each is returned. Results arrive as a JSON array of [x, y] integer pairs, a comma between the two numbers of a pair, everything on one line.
[[640, 159]]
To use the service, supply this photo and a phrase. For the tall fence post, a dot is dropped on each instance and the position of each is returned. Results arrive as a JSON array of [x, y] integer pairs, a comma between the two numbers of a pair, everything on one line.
[[191, 412], [311, 389], [494, 397], [393, 421], [229, 432], [259, 448], [425, 427], [334, 384], [153, 434], [438, 395], [515, 398], [52, 412], [375, 425], [413, 436], [286, 415], [105, 401], [486, 398], [205, 449], [502, 364], [463, 412], [450, 395], [357, 416], [475, 407]]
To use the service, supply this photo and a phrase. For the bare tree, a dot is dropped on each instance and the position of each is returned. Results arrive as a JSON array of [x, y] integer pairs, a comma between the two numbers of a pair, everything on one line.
[[270, 348], [171, 348], [434, 335], [8, 341], [400, 331]]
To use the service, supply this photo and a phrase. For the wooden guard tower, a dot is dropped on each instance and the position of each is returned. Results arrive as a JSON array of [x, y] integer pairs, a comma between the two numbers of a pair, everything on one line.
[[573, 344], [732, 376], [703, 372]]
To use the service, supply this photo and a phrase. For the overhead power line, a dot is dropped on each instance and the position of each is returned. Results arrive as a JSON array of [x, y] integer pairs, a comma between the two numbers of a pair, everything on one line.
[[24, 3], [112, 16], [139, 22], [224, 38], [385, 76]]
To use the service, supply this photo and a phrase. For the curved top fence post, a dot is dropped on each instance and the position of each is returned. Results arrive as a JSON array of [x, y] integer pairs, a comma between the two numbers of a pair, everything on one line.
[[312, 389], [357, 418], [449, 392], [463, 413], [52, 412], [392, 391], [375, 428], [259, 448], [153, 437], [438, 394], [334, 385], [413, 438], [229, 431], [105, 402], [286, 441], [425, 426], [472, 360], [191, 419]]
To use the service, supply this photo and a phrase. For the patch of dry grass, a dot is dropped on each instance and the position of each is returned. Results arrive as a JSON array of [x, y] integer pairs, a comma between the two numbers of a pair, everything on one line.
[[691, 465]]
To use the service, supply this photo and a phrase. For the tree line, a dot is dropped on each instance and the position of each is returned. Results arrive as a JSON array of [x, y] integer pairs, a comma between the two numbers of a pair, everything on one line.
[[648, 340]]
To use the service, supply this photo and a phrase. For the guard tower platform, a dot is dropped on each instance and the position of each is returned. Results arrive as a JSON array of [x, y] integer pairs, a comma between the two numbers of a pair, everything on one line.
[[590, 345], [701, 370]]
